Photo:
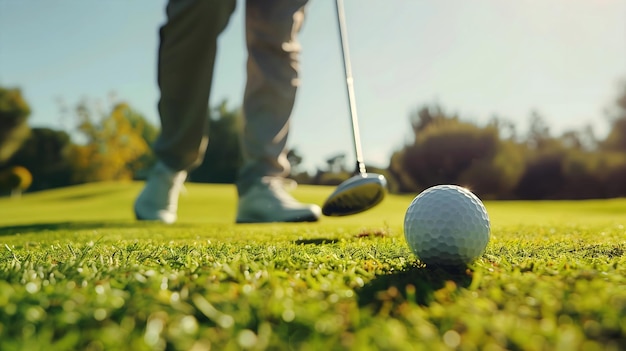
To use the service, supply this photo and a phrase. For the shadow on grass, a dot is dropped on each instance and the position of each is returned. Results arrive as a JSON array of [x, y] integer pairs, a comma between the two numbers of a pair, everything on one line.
[[55, 226], [416, 284], [89, 195], [320, 241]]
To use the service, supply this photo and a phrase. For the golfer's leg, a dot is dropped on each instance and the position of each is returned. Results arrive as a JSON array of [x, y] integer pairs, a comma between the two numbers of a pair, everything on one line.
[[272, 69], [271, 29], [185, 70]]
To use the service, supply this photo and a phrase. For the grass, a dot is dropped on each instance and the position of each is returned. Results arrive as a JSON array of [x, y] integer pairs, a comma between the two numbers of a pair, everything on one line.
[[78, 273]]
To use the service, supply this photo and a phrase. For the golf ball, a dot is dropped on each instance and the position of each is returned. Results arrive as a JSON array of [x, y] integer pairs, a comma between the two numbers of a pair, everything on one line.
[[446, 225]]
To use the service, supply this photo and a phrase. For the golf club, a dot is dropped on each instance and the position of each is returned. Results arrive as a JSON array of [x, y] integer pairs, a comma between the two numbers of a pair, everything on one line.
[[362, 191]]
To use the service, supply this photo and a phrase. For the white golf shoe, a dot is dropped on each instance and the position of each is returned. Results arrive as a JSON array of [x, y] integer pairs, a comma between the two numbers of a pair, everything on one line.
[[269, 201], [158, 201]]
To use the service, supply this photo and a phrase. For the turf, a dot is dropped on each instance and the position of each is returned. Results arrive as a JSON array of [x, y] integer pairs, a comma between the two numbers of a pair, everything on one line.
[[78, 273]]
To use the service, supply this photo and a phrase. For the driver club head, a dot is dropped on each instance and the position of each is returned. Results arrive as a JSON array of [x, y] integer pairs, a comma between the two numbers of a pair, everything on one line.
[[357, 194]]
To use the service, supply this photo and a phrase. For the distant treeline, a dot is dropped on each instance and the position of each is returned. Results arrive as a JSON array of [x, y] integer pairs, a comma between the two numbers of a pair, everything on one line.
[[494, 160], [496, 163]]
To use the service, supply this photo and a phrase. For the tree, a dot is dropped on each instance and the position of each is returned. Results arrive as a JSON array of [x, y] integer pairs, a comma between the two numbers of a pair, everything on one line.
[[14, 112], [616, 139], [295, 160], [337, 163], [223, 155], [613, 147], [149, 133], [613, 174], [46, 155], [112, 145], [447, 150], [15, 180], [298, 174], [580, 140], [428, 115], [506, 128], [539, 132], [402, 180]]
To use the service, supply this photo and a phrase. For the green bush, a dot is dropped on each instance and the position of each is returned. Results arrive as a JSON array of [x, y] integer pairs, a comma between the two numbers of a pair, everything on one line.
[[14, 129], [45, 155], [583, 176], [449, 151], [15, 180], [612, 170], [543, 176]]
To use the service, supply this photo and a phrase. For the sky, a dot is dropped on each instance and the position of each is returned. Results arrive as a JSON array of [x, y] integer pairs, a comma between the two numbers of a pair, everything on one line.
[[479, 58]]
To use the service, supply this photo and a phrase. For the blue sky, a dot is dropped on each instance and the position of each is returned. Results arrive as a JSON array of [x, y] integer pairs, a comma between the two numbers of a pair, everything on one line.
[[479, 58]]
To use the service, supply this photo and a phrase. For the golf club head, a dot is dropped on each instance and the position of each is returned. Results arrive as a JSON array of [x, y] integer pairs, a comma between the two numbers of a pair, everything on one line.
[[357, 194]]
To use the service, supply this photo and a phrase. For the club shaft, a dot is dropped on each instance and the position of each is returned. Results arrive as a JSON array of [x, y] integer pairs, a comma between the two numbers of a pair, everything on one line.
[[345, 53]]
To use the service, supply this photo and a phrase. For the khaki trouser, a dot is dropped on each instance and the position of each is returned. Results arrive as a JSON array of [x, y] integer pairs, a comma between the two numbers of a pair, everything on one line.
[[185, 69]]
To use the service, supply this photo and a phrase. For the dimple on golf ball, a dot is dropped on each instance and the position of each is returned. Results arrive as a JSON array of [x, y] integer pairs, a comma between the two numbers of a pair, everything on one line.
[[447, 225]]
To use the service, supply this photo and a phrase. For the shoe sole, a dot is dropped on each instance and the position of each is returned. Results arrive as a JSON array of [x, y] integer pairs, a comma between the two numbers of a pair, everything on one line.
[[145, 219], [311, 218]]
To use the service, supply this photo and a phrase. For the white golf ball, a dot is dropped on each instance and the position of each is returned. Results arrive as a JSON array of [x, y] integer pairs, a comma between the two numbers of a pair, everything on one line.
[[447, 225]]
